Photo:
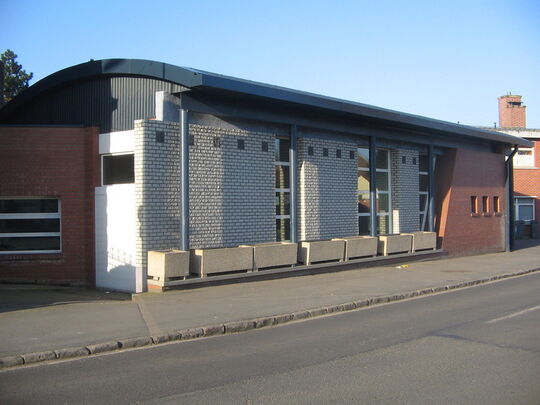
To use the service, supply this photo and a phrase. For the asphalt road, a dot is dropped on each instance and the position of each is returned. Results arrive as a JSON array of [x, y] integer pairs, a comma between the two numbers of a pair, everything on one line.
[[478, 345]]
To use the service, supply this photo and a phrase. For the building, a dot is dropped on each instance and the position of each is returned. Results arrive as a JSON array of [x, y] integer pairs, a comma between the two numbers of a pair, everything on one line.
[[512, 121], [109, 159]]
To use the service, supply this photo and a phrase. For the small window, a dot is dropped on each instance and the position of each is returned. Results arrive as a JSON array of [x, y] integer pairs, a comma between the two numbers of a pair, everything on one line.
[[524, 208], [29, 225], [118, 169], [265, 146], [241, 144], [217, 141], [474, 204], [192, 140], [404, 160], [325, 152], [485, 204], [310, 151], [160, 136], [338, 153], [496, 205], [351, 154]]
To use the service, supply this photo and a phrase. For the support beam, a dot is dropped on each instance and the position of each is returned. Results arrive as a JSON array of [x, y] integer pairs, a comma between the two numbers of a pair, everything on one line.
[[184, 157], [431, 189], [509, 186], [293, 183], [373, 185]]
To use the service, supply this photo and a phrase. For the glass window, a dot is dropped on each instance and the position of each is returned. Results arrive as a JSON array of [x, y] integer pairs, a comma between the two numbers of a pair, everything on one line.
[[118, 169], [363, 203], [524, 208], [496, 204], [282, 149], [29, 225], [382, 181], [382, 159], [383, 203], [283, 229], [485, 204], [363, 157], [423, 181], [282, 176], [364, 225], [423, 163], [283, 203], [474, 204], [363, 180]]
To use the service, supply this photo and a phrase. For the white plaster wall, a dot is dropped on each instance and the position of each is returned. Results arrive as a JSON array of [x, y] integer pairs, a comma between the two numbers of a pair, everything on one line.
[[116, 142], [115, 239]]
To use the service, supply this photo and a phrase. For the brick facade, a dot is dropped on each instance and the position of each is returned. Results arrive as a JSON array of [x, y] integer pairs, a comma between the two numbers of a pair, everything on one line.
[[53, 162], [327, 188], [460, 174]]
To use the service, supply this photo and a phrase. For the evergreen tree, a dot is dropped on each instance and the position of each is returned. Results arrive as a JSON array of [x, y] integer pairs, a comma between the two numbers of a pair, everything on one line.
[[15, 78]]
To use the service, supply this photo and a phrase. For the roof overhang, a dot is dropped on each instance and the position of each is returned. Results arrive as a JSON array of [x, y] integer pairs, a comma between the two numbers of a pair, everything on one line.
[[210, 82]]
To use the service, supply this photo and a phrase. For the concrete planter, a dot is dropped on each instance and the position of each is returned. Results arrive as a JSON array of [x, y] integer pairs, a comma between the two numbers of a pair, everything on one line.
[[167, 264], [389, 244], [274, 254], [221, 260], [423, 240], [321, 251], [359, 246]]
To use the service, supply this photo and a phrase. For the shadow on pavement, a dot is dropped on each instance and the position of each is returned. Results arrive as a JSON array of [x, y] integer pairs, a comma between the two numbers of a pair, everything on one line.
[[526, 243], [15, 297]]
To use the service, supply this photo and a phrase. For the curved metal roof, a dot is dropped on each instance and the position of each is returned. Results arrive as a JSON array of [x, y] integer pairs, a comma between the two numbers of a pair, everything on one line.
[[197, 79]]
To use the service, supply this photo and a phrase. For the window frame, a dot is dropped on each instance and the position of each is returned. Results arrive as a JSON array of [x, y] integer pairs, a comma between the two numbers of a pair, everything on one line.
[[423, 211], [33, 215], [283, 190], [517, 204], [102, 163], [522, 162]]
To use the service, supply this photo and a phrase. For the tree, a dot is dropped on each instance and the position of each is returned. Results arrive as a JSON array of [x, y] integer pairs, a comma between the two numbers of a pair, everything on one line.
[[15, 78]]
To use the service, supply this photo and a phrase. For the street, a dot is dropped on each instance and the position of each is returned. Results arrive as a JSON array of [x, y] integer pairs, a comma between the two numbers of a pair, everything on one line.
[[470, 346]]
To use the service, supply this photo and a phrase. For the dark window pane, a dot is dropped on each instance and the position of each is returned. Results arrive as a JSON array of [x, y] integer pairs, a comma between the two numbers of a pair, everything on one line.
[[283, 203], [363, 225], [118, 169], [41, 243], [423, 182], [381, 159], [363, 203], [28, 206], [525, 213], [282, 177], [423, 163], [29, 225], [282, 150], [363, 157], [283, 229], [382, 181], [423, 202], [383, 203]]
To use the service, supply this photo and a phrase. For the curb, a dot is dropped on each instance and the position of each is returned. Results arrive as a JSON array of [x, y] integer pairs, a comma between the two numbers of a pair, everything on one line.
[[233, 326]]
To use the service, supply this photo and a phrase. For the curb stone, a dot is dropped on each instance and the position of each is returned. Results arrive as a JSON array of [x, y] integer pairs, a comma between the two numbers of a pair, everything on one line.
[[234, 326]]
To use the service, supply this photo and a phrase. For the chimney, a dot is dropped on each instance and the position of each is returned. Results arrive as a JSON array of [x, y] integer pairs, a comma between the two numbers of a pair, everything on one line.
[[511, 112]]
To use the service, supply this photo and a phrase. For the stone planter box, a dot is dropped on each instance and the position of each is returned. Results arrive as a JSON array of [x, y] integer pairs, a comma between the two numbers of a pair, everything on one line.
[[274, 254], [221, 260], [359, 246], [423, 240], [167, 264], [389, 244], [321, 251]]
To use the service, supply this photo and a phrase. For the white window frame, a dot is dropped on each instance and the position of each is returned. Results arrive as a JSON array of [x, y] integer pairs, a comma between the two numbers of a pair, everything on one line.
[[378, 192], [33, 215], [358, 191], [284, 190], [389, 192], [517, 204], [522, 161], [423, 210]]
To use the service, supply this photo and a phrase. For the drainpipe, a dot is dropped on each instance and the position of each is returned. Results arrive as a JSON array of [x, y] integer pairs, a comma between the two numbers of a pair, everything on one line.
[[509, 188]]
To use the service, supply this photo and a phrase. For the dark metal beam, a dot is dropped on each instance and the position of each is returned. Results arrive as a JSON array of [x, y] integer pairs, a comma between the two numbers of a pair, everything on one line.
[[373, 185]]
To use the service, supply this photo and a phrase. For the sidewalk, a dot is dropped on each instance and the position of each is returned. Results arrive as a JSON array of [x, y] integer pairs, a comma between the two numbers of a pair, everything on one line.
[[42, 319]]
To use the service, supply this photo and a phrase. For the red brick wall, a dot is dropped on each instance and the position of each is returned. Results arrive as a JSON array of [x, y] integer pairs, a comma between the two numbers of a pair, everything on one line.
[[511, 116], [527, 181], [459, 175], [60, 162]]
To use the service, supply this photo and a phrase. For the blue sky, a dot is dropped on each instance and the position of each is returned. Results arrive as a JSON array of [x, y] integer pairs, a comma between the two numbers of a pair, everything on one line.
[[448, 60]]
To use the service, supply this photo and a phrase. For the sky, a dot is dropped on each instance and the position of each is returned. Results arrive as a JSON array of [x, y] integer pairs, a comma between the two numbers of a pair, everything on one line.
[[448, 60]]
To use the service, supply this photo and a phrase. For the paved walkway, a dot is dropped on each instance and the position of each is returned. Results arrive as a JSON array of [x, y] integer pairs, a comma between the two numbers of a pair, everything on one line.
[[39, 319]]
